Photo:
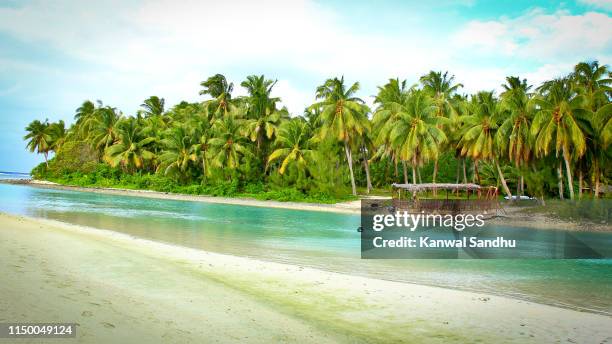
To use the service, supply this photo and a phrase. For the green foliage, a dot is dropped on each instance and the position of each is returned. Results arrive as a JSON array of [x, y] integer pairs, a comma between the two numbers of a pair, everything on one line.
[[102, 175], [447, 168], [74, 156], [247, 146]]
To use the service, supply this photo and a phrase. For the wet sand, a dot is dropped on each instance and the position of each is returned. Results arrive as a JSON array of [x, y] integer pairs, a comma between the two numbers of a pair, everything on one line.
[[123, 289]]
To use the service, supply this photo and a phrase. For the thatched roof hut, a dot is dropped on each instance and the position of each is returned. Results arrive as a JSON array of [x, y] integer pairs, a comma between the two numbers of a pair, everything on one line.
[[485, 200]]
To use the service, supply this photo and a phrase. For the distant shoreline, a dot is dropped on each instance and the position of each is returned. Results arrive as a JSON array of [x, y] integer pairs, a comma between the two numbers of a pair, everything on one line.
[[513, 217], [351, 207]]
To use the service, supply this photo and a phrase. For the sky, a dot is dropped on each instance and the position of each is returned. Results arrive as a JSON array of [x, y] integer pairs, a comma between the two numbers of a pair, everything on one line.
[[56, 54]]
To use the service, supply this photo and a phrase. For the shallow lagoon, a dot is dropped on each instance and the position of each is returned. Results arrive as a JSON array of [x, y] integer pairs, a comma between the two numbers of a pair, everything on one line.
[[325, 240]]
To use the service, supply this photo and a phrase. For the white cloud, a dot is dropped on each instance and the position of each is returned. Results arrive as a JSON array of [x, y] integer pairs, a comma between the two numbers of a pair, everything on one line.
[[541, 36], [167, 47], [164, 47], [486, 36], [482, 79], [548, 72], [603, 4], [291, 97]]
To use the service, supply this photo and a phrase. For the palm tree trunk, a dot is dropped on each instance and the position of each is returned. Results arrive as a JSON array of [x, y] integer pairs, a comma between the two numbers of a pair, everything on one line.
[[366, 166], [396, 171], [596, 177], [518, 185], [349, 159], [503, 180], [570, 184], [46, 158], [414, 177], [580, 179], [464, 172], [560, 177], [458, 172], [419, 175], [204, 166], [435, 172], [476, 174], [405, 172]]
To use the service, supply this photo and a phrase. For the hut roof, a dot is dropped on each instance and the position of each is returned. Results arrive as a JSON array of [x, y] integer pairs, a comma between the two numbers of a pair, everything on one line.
[[437, 186]]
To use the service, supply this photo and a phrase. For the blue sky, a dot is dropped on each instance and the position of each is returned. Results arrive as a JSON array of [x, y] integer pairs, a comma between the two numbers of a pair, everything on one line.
[[56, 54]]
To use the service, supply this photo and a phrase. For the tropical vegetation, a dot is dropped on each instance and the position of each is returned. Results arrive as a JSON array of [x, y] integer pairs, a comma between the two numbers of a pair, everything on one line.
[[552, 140]]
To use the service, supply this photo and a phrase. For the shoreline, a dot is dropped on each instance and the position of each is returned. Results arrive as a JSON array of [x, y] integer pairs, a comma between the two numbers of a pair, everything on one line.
[[350, 207], [515, 217], [512, 218], [136, 274]]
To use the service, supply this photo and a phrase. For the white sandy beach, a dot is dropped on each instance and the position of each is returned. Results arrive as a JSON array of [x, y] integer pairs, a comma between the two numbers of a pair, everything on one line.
[[123, 289]]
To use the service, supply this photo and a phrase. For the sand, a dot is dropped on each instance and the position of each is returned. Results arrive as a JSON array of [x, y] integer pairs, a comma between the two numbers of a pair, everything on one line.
[[123, 289]]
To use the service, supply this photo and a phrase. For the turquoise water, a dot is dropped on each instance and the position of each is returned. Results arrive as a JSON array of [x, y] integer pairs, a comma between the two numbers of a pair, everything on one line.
[[323, 240]]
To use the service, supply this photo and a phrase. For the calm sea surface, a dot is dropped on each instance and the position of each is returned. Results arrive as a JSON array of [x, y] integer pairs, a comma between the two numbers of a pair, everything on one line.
[[324, 240]]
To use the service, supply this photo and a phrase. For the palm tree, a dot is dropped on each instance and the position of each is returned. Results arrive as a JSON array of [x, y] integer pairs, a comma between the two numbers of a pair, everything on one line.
[[559, 110], [180, 151], [201, 132], [263, 117], [58, 133], [39, 138], [84, 111], [132, 147], [453, 132], [85, 116], [260, 90], [598, 153], [390, 98], [593, 82], [604, 117], [416, 133], [342, 115], [152, 106], [221, 91], [293, 144], [478, 130], [313, 117], [366, 148], [441, 87], [104, 131], [229, 143], [513, 137], [513, 134]]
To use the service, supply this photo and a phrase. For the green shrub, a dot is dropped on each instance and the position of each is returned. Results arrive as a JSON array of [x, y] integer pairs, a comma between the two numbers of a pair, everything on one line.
[[254, 188], [74, 156]]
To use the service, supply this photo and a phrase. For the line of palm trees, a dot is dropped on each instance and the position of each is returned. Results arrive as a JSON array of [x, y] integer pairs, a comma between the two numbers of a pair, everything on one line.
[[564, 125]]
